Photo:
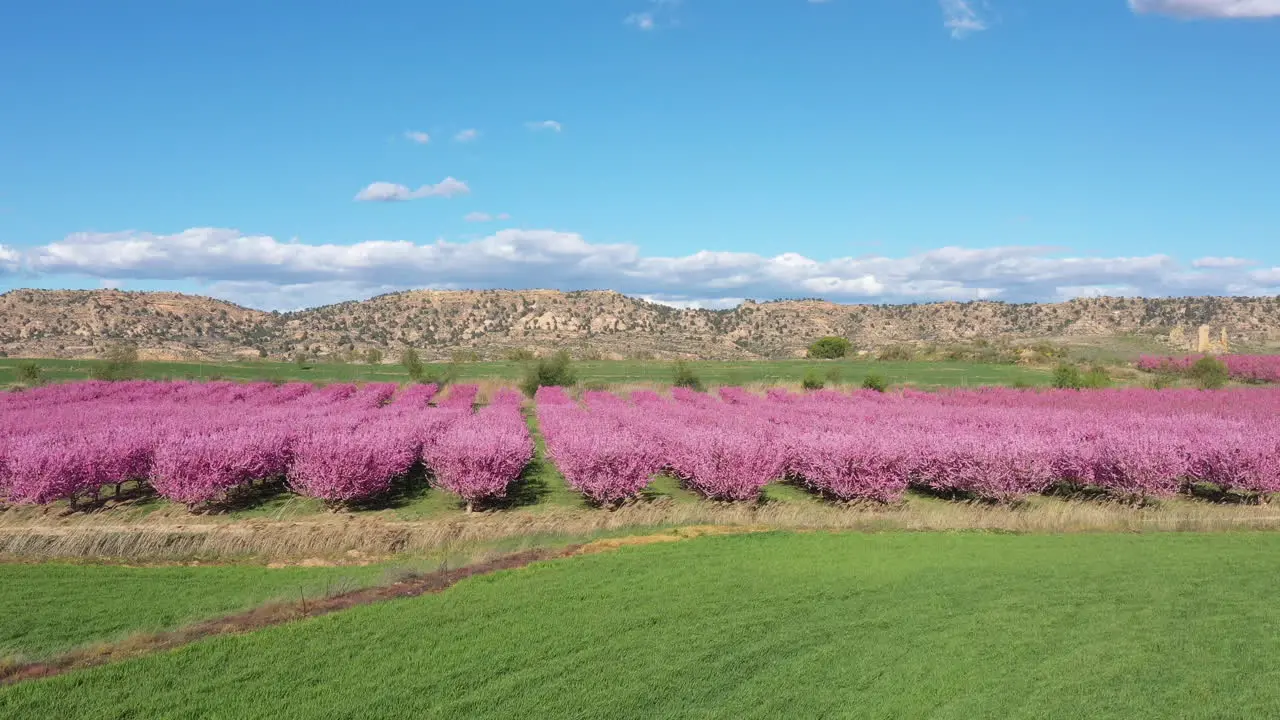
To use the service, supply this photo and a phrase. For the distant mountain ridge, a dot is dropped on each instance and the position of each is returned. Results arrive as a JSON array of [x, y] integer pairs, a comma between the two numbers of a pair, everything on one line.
[[491, 324]]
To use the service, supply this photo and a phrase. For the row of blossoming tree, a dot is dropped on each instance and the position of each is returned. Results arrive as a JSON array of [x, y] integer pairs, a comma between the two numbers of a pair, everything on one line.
[[1245, 368], [198, 444], [993, 443]]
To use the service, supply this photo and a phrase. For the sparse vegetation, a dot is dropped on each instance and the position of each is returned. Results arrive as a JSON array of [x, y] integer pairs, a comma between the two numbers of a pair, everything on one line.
[[896, 353], [875, 382], [373, 356]]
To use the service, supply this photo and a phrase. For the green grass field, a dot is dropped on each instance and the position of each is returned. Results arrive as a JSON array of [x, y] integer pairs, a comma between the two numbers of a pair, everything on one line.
[[48, 608], [771, 625], [923, 374]]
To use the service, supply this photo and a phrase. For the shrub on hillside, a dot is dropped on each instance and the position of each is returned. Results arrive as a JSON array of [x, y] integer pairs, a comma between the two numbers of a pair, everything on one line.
[[555, 371], [518, 355], [1210, 373], [829, 348], [683, 376]]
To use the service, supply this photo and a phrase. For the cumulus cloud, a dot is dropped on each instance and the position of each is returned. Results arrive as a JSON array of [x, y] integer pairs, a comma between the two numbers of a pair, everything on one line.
[[466, 136], [1208, 8], [10, 259], [415, 136], [961, 18], [393, 192], [265, 272], [545, 125]]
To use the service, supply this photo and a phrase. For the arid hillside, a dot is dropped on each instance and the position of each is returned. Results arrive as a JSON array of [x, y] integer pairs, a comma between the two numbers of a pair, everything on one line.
[[491, 324]]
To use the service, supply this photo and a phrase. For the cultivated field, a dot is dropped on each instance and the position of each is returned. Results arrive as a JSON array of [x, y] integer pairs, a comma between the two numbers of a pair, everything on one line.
[[769, 625], [264, 547]]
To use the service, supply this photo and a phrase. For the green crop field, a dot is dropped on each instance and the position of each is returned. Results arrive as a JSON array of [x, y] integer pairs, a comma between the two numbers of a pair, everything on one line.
[[49, 608], [770, 625], [920, 373]]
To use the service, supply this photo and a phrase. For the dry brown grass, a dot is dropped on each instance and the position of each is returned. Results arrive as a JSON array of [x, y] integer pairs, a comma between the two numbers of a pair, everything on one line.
[[346, 536]]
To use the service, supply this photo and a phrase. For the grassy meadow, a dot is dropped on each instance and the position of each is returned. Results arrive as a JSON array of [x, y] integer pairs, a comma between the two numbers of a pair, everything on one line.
[[764, 625], [603, 372]]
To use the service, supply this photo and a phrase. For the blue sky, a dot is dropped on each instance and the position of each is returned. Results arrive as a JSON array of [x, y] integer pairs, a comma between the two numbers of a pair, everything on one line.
[[287, 154]]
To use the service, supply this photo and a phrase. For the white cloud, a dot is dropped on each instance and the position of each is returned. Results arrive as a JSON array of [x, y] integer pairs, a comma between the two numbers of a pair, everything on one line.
[[642, 20], [465, 136], [545, 125], [477, 217], [961, 18], [265, 272], [418, 137], [1221, 262], [504, 216], [394, 192], [10, 259], [1208, 8], [660, 13]]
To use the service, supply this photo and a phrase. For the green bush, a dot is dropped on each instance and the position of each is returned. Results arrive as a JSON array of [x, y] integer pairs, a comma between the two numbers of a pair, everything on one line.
[[683, 376], [812, 381], [556, 370], [897, 353], [829, 348], [1161, 381], [30, 373], [518, 355], [1096, 378], [834, 375], [1067, 377], [441, 374], [1209, 373], [876, 382], [120, 363]]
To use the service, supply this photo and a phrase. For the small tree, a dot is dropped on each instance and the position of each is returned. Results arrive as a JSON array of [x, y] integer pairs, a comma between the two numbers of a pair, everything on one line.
[[830, 347], [876, 382], [30, 373], [119, 363], [412, 363], [1067, 377], [373, 356], [1210, 373], [554, 371], [683, 376]]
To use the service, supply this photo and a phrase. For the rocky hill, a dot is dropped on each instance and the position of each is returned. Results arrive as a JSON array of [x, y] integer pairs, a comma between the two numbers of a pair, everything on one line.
[[491, 324]]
